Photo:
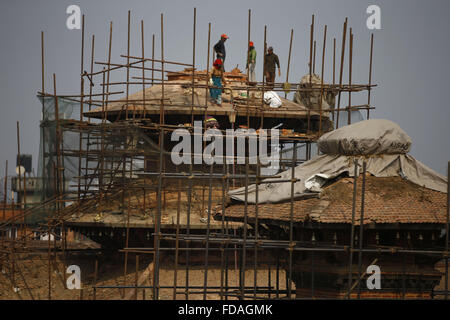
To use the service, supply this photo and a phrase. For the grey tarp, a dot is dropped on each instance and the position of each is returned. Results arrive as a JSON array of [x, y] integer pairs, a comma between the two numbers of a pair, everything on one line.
[[376, 136], [333, 165]]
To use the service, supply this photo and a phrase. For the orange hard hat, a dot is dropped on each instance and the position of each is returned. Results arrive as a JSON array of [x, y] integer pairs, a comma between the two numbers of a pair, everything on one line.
[[250, 43], [224, 36]]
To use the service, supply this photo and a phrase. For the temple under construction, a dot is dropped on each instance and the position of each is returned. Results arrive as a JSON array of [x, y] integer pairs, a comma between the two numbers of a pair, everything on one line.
[[107, 185]]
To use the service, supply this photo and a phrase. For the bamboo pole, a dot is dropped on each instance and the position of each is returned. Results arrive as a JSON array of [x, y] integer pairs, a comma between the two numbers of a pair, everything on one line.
[[143, 67], [321, 82], [369, 88], [289, 60], [349, 112], [341, 72]]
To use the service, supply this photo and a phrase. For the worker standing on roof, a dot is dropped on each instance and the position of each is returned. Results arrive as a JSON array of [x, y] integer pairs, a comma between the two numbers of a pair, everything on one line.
[[251, 59], [219, 49], [271, 61], [218, 81]]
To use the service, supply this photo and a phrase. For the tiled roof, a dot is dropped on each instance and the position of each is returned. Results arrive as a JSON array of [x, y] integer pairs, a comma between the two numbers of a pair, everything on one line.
[[387, 200], [178, 100], [136, 214]]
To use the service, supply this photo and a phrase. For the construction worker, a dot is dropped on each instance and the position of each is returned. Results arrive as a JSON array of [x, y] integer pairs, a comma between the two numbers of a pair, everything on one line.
[[211, 123], [251, 60], [217, 80], [219, 49], [271, 61]]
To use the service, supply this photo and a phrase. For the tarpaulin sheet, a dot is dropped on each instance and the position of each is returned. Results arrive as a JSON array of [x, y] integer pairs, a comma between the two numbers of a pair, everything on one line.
[[388, 138]]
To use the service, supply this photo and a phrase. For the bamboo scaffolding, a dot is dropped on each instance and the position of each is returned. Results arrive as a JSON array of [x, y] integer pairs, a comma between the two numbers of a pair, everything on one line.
[[109, 149]]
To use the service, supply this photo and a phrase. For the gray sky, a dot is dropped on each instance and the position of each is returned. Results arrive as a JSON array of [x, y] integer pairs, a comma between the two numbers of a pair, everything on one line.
[[410, 54]]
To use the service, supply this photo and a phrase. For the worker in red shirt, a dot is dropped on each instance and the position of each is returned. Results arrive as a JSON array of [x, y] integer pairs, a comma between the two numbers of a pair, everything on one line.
[[218, 81]]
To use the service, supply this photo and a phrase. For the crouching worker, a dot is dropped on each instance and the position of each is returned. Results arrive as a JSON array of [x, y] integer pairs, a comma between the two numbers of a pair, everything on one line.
[[217, 80], [211, 123]]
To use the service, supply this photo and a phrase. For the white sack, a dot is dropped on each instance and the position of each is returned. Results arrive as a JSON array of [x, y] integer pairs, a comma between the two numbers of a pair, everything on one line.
[[272, 99]]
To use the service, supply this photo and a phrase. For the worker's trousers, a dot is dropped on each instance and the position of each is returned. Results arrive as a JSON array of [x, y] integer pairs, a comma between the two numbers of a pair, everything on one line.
[[270, 78], [251, 72]]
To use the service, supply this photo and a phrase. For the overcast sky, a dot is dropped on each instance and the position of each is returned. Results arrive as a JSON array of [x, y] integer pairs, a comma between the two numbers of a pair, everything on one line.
[[410, 63]]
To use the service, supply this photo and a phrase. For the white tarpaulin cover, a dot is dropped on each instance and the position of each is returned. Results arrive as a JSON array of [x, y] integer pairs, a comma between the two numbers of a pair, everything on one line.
[[376, 136], [272, 99]]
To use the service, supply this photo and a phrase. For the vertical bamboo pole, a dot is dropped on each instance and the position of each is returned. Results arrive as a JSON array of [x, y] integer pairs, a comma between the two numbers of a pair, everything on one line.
[[153, 59], [128, 66], [244, 240], [352, 230], [193, 66], [311, 41], [255, 253], [334, 70], [44, 169], [19, 164], [92, 71], [291, 220], [156, 285], [321, 82], [136, 275], [314, 57], [91, 85], [334, 61], [127, 236], [49, 266], [208, 225], [102, 141], [177, 241], [289, 61], [95, 279], [80, 140], [264, 82], [109, 70], [59, 167], [161, 111], [159, 193], [81, 70], [369, 89], [42, 62], [207, 76], [56, 178], [248, 69], [361, 223], [349, 108], [341, 72], [143, 69], [5, 190]]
